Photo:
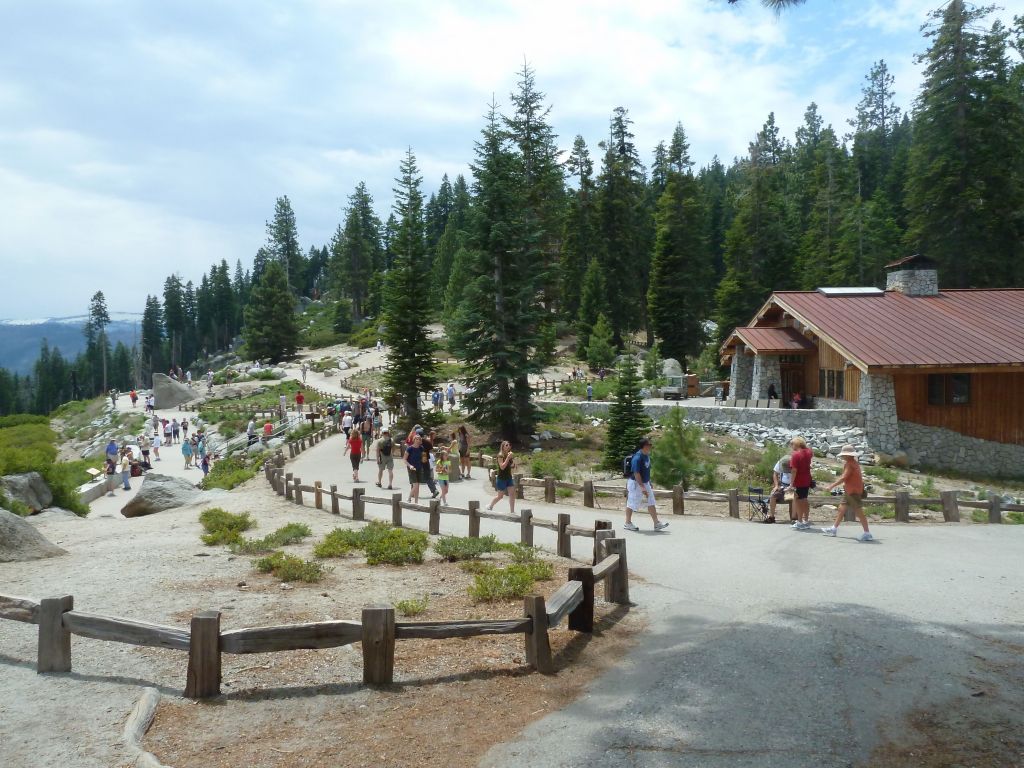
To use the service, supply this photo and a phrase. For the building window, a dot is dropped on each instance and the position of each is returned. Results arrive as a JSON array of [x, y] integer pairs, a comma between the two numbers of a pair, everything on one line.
[[949, 389], [831, 383]]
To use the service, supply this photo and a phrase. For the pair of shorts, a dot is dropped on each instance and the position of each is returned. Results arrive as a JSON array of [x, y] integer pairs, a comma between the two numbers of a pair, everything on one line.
[[355, 459], [417, 476], [854, 501], [504, 485], [801, 493], [464, 453], [386, 462], [779, 495], [639, 496]]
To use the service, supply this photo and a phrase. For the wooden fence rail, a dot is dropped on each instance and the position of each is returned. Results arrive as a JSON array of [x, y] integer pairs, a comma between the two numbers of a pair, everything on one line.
[[205, 641]]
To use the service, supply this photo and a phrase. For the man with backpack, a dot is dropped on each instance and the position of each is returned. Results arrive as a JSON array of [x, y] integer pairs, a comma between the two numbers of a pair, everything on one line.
[[638, 487], [385, 458]]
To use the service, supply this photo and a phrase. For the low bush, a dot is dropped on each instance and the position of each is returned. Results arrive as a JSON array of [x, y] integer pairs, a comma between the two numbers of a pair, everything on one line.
[[291, 568], [886, 511], [544, 464], [414, 606], [381, 543], [16, 507], [501, 584], [454, 548], [475, 566], [293, 533], [337, 543], [230, 472], [562, 414], [603, 390], [563, 493], [520, 553], [365, 337], [224, 527], [883, 474]]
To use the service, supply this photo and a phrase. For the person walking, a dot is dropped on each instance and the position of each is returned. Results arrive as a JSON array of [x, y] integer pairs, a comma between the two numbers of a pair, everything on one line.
[[133, 396], [304, 369], [184, 428], [413, 457], [800, 464], [852, 481], [451, 398], [504, 483], [282, 405], [590, 392], [175, 431], [204, 462], [465, 465], [428, 462], [384, 453], [378, 422], [354, 446], [639, 490], [186, 451], [166, 426], [346, 423], [157, 442], [367, 434], [268, 431], [250, 430], [144, 445], [110, 467], [300, 400], [444, 467], [126, 469], [111, 450]]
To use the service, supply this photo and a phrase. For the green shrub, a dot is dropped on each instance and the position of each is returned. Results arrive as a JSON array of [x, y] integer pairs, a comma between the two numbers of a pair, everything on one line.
[[224, 527], [14, 506], [365, 337], [453, 548], [928, 489], [563, 493], [538, 570], [1014, 518], [882, 474], [264, 374], [544, 464], [476, 566], [674, 457], [414, 606], [762, 470], [19, 419], [337, 543], [291, 568], [229, 473], [293, 533], [520, 553], [886, 511], [398, 547], [501, 584], [603, 390], [564, 414]]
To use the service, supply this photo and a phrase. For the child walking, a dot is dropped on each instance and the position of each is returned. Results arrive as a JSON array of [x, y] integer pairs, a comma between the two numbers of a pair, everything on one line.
[[444, 466], [852, 481]]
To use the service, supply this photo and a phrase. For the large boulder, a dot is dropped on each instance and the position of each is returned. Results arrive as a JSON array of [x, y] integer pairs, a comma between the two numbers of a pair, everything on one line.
[[169, 393], [671, 367], [160, 492], [29, 488], [19, 541]]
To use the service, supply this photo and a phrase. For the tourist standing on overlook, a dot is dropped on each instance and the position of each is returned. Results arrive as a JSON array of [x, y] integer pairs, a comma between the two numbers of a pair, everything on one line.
[[465, 465], [504, 482], [175, 430], [126, 469], [800, 463], [186, 451], [413, 457], [639, 491]]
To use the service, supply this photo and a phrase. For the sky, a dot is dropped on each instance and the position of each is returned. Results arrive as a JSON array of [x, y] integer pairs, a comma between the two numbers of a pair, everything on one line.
[[143, 138]]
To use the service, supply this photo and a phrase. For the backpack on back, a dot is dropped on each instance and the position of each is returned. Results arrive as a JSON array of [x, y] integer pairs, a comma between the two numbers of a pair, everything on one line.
[[627, 467], [386, 446]]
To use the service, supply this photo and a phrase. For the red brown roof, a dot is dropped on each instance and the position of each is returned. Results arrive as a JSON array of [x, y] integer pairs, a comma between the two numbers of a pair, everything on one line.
[[776, 341], [954, 328]]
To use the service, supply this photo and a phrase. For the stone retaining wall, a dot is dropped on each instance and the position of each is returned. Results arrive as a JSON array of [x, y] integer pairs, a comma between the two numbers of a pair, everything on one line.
[[943, 448], [786, 418]]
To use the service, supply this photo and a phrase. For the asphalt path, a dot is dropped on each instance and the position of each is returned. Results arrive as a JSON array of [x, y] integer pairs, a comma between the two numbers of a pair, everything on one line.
[[766, 646]]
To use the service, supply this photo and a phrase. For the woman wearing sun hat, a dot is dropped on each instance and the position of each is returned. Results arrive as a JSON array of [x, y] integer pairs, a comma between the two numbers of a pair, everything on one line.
[[852, 481]]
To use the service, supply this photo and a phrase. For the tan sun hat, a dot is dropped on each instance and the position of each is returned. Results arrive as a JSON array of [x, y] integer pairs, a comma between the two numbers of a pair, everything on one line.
[[848, 450]]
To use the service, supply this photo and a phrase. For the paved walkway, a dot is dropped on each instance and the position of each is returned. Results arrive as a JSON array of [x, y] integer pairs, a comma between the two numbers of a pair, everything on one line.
[[768, 647]]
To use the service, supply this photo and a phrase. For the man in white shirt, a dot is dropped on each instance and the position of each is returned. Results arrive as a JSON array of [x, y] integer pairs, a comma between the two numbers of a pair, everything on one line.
[[781, 478]]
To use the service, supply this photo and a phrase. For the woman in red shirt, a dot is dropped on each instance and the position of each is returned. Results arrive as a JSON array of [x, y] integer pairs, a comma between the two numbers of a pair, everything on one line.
[[800, 464], [355, 449]]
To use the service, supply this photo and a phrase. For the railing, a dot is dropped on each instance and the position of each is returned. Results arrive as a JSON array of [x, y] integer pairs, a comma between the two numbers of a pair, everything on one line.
[[205, 641]]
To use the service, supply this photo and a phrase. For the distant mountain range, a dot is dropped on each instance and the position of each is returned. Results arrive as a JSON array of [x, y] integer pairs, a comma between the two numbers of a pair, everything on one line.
[[20, 339]]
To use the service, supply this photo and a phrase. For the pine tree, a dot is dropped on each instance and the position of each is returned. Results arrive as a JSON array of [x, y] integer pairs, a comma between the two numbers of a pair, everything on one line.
[[652, 365], [682, 276], [174, 318], [356, 251], [675, 458], [283, 244], [628, 423], [152, 339], [593, 299], [97, 344], [581, 241], [827, 188], [411, 367], [600, 349], [271, 331]]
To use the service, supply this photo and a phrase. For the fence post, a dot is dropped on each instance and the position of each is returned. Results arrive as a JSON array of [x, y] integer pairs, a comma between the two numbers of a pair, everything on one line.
[[902, 506], [588, 493], [616, 586], [582, 618], [358, 505], [288, 486], [602, 532], [538, 649], [298, 490], [549, 489], [734, 503], [291, 450], [335, 508], [526, 527], [318, 494], [204, 656], [434, 521], [564, 539], [520, 491], [995, 514], [54, 648], [474, 519], [480, 459], [396, 510], [950, 507], [678, 499], [378, 645]]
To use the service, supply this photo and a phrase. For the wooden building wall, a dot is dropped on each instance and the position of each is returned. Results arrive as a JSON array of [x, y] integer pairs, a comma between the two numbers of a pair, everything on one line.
[[996, 410], [829, 359]]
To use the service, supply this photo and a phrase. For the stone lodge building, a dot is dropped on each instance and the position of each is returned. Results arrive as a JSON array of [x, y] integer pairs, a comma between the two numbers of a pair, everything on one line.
[[939, 374]]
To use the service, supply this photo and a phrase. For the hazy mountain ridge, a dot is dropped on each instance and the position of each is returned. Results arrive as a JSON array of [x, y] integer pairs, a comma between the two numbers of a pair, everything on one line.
[[20, 339]]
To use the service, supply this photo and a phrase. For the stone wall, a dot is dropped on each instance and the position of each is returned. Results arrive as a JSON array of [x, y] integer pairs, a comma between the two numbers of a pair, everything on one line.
[[741, 374], [913, 282], [938, 447], [766, 371], [785, 418], [878, 401]]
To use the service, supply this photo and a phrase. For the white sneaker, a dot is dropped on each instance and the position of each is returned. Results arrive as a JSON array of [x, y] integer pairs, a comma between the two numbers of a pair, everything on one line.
[[830, 531], [866, 537], [630, 527], [661, 526], [796, 525]]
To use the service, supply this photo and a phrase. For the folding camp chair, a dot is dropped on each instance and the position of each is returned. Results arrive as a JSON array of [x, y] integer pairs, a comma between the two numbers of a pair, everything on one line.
[[757, 506]]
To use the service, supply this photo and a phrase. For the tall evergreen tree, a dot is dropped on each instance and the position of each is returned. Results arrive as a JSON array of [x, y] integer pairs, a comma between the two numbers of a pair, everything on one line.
[[593, 300], [682, 276], [581, 242], [283, 243], [628, 422], [97, 344], [174, 317], [411, 367], [271, 330], [356, 250], [152, 339]]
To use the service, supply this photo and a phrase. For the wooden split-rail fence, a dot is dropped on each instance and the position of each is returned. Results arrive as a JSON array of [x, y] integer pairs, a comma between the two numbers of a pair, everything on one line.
[[206, 641]]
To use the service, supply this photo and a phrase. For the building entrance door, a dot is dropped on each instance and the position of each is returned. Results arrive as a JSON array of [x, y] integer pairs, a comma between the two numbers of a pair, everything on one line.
[[792, 381]]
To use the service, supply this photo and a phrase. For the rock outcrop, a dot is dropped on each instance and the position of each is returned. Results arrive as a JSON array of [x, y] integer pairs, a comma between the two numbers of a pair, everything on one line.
[[671, 367], [170, 393], [52, 514], [19, 541], [29, 488], [160, 492]]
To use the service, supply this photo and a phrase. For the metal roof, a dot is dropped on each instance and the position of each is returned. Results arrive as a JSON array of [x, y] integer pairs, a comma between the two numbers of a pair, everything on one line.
[[776, 341], [956, 328]]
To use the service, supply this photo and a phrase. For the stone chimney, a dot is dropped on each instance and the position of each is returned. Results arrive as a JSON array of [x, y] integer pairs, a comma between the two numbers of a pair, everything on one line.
[[913, 276]]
